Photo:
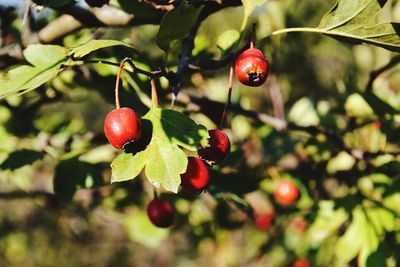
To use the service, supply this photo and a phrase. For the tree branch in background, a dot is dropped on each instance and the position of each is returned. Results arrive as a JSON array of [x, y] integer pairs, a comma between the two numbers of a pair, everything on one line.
[[281, 124], [374, 74]]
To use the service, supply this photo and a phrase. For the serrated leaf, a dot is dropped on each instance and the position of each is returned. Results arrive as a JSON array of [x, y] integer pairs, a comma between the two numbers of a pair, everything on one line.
[[249, 6], [163, 158], [227, 40], [21, 158], [45, 60], [176, 24], [127, 166], [94, 45], [355, 22], [165, 163]]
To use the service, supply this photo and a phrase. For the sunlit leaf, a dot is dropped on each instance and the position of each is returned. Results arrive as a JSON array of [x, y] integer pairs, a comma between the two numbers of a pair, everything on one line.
[[176, 24]]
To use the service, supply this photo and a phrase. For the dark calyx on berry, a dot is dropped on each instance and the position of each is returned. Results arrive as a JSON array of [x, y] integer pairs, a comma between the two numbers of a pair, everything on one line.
[[251, 67]]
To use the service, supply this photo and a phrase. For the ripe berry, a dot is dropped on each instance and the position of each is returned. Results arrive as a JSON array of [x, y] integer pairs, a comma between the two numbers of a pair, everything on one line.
[[97, 3], [196, 177], [251, 67], [264, 220], [301, 263], [286, 192], [218, 149], [122, 126], [161, 213]]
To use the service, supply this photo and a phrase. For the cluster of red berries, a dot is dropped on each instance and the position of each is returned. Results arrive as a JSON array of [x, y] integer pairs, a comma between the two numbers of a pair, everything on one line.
[[123, 126]]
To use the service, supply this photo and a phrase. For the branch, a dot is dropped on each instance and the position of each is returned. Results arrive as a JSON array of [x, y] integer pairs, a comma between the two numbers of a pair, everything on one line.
[[75, 19], [374, 74], [281, 125], [23, 194]]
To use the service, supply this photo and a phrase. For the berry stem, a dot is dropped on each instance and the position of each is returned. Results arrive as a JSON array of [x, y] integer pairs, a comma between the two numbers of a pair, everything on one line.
[[155, 193], [252, 35], [228, 101], [154, 95], [117, 83]]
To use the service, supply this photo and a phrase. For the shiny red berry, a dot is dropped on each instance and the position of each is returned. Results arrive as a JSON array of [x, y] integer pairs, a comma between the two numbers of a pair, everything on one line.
[[286, 192], [97, 3], [196, 177], [264, 220], [301, 263], [218, 147], [122, 126], [251, 67], [161, 213]]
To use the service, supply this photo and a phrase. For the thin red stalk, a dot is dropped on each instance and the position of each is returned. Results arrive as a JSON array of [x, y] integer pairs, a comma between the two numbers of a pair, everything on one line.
[[228, 101], [252, 35], [117, 83], [154, 92]]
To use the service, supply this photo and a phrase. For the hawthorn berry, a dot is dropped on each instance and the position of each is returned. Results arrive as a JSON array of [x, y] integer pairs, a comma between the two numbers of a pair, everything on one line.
[[97, 3], [264, 220], [161, 213], [286, 192], [218, 147], [122, 126], [251, 67], [196, 177], [301, 263]]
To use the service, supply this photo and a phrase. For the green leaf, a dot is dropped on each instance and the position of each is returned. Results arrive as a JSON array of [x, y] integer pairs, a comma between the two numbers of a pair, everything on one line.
[[349, 245], [176, 24], [380, 107], [71, 174], [249, 6], [140, 229], [139, 9], [304, 113], [355, 22], [94, 45], [227, 40], [165, 160], [356, 106], [127, 166], [21, 158], [163, 157], [45, 60]]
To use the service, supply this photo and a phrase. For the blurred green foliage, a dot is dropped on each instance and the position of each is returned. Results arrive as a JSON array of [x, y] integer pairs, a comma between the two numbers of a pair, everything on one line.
[[58, 207]]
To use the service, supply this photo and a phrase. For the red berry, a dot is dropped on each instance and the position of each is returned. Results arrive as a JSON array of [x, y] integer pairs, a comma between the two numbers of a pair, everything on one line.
[[299, 224], [122, 126], [218, 149], [264, 220], [377, 124], [251, 67], [97, 3], [301, 263], [286, 192], [161, 213], [196, 177]]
